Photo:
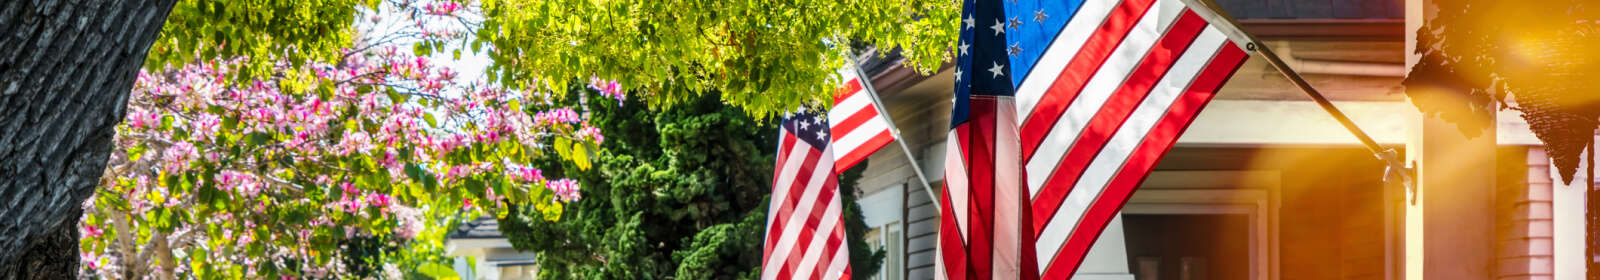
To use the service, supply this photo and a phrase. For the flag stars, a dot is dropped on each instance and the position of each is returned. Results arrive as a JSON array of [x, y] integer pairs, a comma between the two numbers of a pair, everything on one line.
[[1015, 23], [822, 135], [999, 27], [1039, 16], [998, 70], [804, 124], [964, 46], [969, 22], [1014, 49], [958, 74]]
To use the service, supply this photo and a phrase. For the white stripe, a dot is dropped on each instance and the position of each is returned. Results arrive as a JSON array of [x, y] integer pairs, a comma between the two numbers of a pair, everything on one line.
[[1007, 192], [819, 238], [856, 138], [841, 260], [856, 104], [1127, 138], [938, 261], [955, 179], [846, 73], [1067, 44], [1111, 76], [786, 173], [802, 212]]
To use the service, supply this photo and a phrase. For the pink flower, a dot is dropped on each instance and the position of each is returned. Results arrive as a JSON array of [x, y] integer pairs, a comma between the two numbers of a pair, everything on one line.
[[379, 200], [204, 126], [91, 231], [526, 174], [566, 189], [590, 133], [178, 156], [350, 205], [354, 142], [144, 119], [607, 88]]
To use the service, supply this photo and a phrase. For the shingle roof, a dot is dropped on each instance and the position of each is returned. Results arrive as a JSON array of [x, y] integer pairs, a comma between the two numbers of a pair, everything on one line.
[[485, 227]]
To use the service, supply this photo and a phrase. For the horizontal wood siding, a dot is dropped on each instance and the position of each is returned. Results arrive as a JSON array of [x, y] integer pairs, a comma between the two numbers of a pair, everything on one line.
[[1523, 218]]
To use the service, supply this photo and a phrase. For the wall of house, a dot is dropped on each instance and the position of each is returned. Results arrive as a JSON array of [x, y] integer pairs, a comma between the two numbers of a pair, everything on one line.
[[1523, 220]]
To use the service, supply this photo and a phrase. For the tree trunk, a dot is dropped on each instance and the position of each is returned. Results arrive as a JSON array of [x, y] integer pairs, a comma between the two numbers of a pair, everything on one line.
[[66, 67]]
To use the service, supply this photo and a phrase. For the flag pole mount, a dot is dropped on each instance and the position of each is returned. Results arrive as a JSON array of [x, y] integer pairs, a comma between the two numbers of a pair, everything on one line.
[[1396, 172]]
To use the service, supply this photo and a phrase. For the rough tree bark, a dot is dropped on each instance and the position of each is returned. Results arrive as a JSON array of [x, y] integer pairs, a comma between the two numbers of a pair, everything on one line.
[[66, 67]]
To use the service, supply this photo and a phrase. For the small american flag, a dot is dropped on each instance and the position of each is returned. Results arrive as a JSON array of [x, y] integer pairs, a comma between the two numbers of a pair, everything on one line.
[[805, 232], [858, 128], [1062, 107]]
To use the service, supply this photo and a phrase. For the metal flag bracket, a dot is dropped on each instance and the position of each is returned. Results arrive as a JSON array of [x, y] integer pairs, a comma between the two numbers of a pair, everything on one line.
[[1397, 171]]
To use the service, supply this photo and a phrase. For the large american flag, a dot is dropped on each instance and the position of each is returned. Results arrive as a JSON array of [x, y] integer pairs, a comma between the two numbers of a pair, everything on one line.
[[805, 233], [1062, 107]]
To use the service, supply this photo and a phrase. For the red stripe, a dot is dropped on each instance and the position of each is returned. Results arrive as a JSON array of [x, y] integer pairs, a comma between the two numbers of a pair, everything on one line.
[[786, 207], [1144, 158], [776, 228], [980, 221], [1070, 81], [835, 239], [785, 145], [847, 90], [1116, 111], [856, 119], [859, 153], [952, 247], [792, 263]]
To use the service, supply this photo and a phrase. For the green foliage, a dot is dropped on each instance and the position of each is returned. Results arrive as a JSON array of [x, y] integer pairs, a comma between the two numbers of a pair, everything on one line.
[[264, 30], [765, 56], [679, 192]]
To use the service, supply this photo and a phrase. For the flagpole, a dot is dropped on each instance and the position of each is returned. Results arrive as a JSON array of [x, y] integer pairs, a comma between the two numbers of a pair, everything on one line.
[[1396, 168], [866, 83]]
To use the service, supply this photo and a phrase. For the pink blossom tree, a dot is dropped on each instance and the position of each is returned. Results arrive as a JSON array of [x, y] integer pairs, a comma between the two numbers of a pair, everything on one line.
[[322, 169]]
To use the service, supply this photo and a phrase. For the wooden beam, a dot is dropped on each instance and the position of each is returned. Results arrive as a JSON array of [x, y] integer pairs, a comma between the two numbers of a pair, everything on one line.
[[1326, 29]]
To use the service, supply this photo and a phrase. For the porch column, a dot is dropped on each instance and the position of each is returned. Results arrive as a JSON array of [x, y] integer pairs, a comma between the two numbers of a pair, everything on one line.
[[1449, 232], [1569, 217]]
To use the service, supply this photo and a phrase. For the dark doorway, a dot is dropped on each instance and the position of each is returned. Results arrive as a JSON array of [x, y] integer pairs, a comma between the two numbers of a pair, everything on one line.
[[1188, 247]]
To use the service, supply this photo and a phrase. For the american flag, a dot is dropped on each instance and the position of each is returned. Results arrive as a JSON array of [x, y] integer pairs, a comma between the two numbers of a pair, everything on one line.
[[858, 128], [805, 233], [1062, 107]]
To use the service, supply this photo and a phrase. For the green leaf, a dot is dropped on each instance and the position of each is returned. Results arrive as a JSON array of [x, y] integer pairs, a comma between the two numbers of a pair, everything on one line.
[[580, 156], [413, 171], [438, 271], [259, 138], [421, 50], [474, 186], [394, 95], [166, 122]]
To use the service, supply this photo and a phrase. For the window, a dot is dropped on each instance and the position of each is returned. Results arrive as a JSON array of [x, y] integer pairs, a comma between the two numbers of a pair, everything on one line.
[[887, 238]]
